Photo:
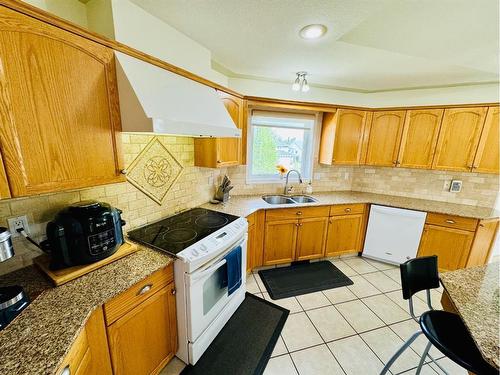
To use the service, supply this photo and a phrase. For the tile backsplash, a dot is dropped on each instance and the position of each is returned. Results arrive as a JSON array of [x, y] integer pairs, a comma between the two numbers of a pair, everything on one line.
[[478, 189], [195, 186]]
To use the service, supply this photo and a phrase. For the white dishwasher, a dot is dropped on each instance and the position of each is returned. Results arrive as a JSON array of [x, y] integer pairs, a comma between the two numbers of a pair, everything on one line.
[[393, 234]]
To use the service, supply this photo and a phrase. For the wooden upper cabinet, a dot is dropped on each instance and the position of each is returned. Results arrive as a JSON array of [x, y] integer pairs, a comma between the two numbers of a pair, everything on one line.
[[384, 138], [229, 149], [342, 136], [459, 138], [223, 152], [59, 109], [487, 155], [4, 184], [419, 139]]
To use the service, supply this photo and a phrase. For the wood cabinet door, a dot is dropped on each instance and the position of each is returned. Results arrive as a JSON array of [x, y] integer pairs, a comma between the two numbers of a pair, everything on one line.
[[251, 247], [311, 238], [255, 238], [59, 110], [487, 155], [4, 183], [280, 240], [229, 149], [144, 339], [350, 127], [419, 139], [384, 138], [345, 234], [452, 246], [459, 138], [89, 354]]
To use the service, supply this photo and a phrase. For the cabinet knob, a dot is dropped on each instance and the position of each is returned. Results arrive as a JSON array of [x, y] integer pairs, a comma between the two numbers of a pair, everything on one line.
[[347, 210], [123, 171], [173, 292], [470, 166], [219, 161], [144, 289], [297, 224], [449, 221], [66, 371], [299, 213]]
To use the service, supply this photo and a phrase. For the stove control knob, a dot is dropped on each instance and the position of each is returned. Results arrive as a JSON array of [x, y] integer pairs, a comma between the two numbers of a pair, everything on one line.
[[195, 252], [203, 248]]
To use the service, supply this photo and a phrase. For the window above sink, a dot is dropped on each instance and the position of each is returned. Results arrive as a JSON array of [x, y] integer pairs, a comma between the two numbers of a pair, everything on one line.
[[279, 138]]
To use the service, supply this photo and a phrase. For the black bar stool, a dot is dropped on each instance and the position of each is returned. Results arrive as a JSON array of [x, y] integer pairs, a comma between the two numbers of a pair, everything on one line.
[[445, 330]]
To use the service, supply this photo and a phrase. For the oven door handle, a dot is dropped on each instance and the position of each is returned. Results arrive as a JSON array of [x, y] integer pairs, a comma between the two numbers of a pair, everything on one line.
[[208, 271]]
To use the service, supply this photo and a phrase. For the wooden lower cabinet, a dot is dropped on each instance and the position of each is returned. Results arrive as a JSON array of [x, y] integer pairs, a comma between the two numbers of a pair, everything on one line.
[[143, 340], [458, 242], [280, 241], [134, 333], [255, 239], [345, 234], [311, 238], [450, 245], [293, 234], [89, 354]]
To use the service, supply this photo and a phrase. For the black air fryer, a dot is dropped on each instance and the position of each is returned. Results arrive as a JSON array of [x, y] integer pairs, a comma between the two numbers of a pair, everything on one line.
[[84, 233]]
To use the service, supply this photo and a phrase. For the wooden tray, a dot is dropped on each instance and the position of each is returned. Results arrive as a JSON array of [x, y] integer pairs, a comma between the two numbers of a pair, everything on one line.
[[62, 276]]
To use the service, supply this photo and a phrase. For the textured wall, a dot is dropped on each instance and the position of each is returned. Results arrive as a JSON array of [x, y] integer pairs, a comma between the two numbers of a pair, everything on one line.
[[478, 189]]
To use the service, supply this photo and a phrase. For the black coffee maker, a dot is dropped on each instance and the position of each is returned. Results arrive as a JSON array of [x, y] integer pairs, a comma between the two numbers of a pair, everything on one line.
[[13, 299]]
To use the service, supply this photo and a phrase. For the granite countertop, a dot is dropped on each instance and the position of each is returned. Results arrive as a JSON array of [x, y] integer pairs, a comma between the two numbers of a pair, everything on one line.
[[475, 294], [37, 341], [244, 205]]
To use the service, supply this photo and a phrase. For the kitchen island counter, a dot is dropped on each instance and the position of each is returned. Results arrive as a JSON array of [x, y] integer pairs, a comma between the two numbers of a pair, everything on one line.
[[473, 293]]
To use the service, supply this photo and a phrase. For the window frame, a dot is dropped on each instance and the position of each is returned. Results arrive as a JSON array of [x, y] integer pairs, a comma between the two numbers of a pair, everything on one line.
[[309, 149]]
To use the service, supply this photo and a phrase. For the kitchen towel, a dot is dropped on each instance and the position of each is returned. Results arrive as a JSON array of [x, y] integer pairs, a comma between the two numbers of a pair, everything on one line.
[[232, 277]]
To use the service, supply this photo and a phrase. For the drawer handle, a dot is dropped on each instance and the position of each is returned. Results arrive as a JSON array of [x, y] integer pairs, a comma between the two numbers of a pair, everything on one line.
[[347, 210], [299, 213], [66, 371], [449, 221], [144, 289]]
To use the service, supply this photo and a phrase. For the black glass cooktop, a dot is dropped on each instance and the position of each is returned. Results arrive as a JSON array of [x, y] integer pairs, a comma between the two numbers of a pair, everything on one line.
[[175, 233]]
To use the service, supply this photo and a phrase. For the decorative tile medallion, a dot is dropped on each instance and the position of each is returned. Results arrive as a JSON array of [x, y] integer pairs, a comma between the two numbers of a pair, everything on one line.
[[154, 170]]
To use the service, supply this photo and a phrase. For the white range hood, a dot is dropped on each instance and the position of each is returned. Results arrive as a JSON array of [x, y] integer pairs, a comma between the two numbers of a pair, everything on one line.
[[154, 100]]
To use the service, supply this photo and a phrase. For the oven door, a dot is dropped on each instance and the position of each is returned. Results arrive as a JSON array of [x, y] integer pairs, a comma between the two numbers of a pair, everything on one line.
[[205, 298]]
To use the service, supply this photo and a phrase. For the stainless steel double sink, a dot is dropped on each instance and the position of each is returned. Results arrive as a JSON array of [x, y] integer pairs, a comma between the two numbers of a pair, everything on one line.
[[285, 199]]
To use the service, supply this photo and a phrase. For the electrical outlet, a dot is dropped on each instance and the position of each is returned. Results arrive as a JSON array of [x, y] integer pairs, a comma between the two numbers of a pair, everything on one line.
[[18, 222]]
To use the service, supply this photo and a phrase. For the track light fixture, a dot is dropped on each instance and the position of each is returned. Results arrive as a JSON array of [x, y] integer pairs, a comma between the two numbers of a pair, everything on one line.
[[300, 83]]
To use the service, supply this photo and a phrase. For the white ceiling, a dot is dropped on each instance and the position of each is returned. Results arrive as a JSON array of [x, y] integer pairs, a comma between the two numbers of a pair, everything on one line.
[[371, 45]]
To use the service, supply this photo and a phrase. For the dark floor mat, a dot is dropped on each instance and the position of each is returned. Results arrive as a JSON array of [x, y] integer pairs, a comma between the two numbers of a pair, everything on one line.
[[303, 278], [246, 342]]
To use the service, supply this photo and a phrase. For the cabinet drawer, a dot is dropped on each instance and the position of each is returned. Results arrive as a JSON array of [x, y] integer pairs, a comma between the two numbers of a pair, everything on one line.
[[347, 209], [132, 297], [296, 213], [452, 221]]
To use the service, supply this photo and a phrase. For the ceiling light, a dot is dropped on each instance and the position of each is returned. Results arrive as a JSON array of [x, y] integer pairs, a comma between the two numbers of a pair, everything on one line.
[[300, 83], [305, 85], [312, 31]]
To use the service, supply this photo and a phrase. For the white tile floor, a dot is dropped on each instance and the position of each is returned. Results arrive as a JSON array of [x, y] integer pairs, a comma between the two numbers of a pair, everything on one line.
[[351, 330]]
